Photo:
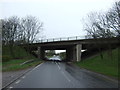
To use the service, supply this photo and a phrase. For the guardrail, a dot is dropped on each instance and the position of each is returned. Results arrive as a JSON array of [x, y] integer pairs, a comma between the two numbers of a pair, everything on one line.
[[61, 39]]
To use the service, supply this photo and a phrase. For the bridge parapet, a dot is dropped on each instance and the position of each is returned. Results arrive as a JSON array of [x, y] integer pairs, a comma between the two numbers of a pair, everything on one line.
[[61, 39]]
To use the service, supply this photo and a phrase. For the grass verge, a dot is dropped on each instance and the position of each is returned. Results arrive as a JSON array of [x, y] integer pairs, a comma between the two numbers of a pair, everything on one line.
[[14, 65], [106, 66], [18, 53]]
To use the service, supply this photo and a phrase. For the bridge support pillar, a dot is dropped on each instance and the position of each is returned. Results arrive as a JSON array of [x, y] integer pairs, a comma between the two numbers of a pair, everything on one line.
[[41, 53], [74, 53], [78, 52]]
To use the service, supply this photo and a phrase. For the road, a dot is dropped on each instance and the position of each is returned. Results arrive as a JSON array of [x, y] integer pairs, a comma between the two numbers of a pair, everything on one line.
[[56, 58], [60, 75]]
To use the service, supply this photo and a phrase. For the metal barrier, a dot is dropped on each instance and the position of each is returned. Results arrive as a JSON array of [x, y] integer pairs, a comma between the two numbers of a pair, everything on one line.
[[61, 39]]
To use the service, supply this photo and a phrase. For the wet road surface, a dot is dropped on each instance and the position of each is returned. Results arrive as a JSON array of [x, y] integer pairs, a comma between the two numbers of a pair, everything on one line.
[[60, 75]]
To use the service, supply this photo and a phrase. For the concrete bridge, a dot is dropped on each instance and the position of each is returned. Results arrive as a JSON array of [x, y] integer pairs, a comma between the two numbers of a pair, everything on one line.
[[73, 47]]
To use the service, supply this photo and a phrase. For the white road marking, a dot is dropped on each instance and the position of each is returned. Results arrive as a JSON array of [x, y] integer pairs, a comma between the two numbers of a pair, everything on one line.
[[23, 77], [66, 76], [17, 81], [37, 66], [34, 69], [10, 87], [58, 66], [55, 62]]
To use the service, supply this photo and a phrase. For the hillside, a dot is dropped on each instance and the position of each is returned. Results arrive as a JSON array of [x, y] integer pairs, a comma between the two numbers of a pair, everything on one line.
[[10, 63], [19, 53], [107, 66]]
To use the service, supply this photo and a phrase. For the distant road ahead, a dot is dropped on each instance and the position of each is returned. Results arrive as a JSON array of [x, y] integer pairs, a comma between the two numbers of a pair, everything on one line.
[[55, 58], [60, 75]]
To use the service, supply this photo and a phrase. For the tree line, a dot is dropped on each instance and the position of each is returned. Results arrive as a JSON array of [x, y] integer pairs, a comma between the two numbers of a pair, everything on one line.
[[105, 25], [16, 31]]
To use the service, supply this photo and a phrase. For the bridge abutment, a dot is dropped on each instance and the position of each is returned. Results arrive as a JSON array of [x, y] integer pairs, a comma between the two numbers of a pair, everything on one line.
[[69, 54], [41, 53]]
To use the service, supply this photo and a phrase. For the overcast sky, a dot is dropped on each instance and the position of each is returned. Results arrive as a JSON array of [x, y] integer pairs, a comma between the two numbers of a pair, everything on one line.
[[61, 18]]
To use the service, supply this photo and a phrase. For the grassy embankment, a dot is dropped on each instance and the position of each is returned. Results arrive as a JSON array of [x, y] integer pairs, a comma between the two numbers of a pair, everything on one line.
[[20, 55], [106, 66]]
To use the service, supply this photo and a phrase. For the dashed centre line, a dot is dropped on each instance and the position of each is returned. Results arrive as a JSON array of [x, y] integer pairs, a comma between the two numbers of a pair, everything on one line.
[[10, 87], [66, 76], [58, 66], [55, 63]]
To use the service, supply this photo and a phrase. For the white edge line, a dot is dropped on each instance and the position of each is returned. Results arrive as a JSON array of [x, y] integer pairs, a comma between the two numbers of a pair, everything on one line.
[[37, 66], [17, 82], [19, 77], [34, 68], [23, 77]]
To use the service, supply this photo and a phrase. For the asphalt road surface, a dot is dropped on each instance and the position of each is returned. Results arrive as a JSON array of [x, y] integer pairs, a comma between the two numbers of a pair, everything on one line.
[[61, 75]]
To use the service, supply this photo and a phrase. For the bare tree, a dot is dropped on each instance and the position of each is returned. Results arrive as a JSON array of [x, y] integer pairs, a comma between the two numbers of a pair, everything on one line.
[[17, 31], [97, 26], [105, 25], [113, 18], [30, 28], [89, 27], [9, 31]]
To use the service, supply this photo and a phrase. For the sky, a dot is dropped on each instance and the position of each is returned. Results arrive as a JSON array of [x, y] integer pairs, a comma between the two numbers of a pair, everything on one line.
[[61, 18]]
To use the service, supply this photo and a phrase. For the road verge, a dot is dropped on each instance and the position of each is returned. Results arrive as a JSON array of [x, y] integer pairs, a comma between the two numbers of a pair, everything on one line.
[[18, 75]]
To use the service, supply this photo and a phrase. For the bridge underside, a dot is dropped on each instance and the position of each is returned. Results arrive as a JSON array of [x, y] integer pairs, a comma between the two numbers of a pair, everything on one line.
[[73, 48], [73, 52]]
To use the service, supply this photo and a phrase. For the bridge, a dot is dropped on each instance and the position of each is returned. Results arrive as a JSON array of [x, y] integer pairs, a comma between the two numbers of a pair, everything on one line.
[[72, 45]]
